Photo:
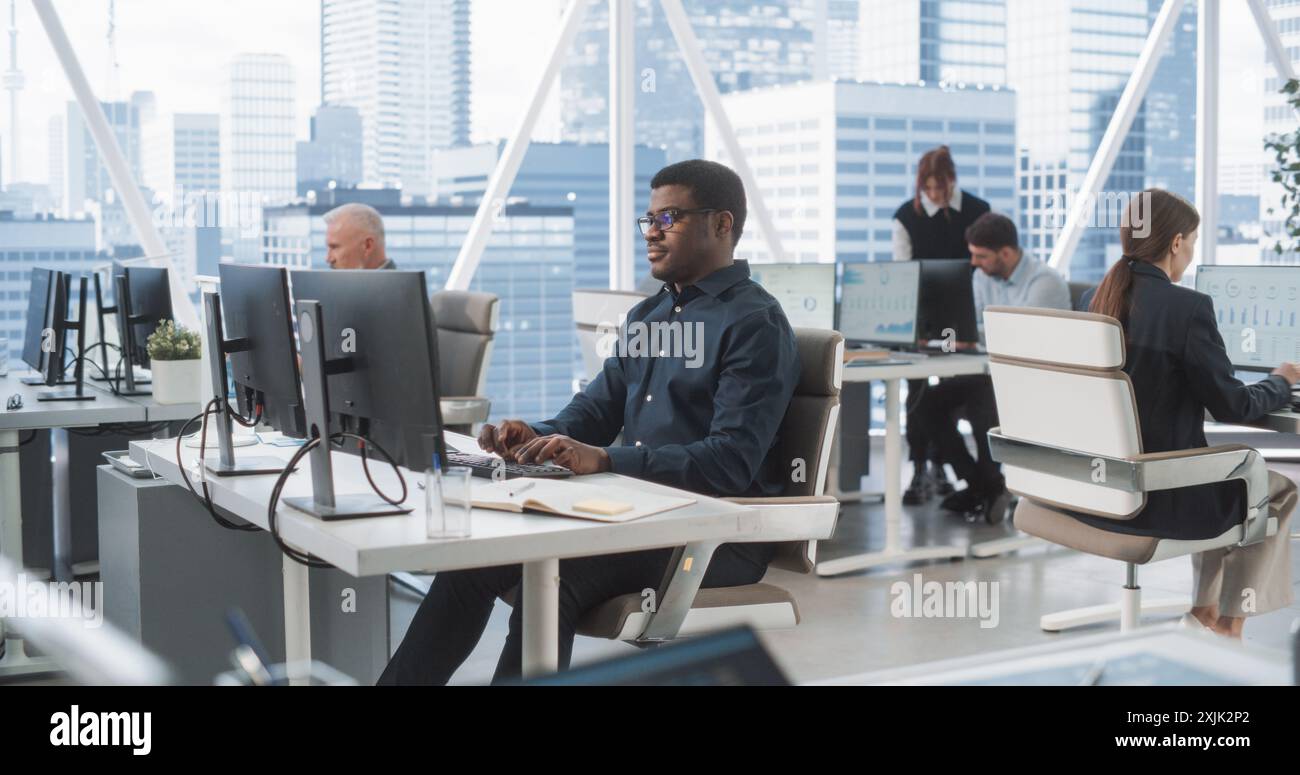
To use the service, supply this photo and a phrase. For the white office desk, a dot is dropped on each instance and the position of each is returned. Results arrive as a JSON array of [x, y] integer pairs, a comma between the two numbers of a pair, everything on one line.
[[381, 545], [893, 374], [56, 416]]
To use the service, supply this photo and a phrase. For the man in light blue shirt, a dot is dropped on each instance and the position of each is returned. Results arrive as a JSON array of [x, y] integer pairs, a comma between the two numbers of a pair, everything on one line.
[[1006, 277]]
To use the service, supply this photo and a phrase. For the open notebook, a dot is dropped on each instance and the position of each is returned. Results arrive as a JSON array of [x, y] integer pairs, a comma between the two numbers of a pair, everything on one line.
[[603, 503]]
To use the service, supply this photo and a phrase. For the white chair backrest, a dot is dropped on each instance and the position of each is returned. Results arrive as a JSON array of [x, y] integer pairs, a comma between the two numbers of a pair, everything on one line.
[[597, 311], [1058, 381]]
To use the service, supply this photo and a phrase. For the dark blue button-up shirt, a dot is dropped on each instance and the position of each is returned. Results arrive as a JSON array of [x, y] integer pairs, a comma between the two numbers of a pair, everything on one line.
[[698, 383]]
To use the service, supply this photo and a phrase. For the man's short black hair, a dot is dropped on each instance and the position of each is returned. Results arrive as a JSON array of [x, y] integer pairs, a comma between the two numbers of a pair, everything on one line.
[[993, 231], [711, 185]]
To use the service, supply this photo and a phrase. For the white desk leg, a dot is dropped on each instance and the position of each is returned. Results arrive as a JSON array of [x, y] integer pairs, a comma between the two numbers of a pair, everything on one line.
[[893, 553], [297, 619], [62, 502], [15, 661], [541, 617]]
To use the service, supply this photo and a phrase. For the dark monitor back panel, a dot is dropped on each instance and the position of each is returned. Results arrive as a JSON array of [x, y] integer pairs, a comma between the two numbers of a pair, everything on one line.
[[38, 317], [58, 323], [151, 298], [255, 306], [382, 322], [946, 300]]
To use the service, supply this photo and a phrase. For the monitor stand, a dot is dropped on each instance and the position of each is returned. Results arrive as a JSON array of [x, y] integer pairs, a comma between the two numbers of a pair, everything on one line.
[[225, 463], [323, 503]]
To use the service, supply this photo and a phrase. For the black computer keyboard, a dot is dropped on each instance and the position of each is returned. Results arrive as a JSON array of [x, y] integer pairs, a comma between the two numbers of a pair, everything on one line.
[[484, 465]]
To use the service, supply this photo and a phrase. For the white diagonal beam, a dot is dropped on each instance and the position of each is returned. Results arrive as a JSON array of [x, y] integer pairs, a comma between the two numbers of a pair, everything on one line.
[[503, 176], [1104, 159], [137, 210], [622, 154], [1207, 128], [680, 25]]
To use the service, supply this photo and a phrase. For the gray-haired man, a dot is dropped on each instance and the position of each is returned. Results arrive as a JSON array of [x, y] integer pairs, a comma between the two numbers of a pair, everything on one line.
[[354, 238]]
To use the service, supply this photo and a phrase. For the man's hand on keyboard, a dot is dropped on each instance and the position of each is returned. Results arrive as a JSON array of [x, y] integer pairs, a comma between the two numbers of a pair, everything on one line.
[[506, 438], [574, 455]]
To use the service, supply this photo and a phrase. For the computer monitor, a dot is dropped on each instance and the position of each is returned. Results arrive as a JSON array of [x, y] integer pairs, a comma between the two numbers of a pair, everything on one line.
[[255, 306], [50, 300], [1257, 309], [379, 347], [143, 300], [946, 301], [250, 320], [878, 302], [806, 291], [40, 303]]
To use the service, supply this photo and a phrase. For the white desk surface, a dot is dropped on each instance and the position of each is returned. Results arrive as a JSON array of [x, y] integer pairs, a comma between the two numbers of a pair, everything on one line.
[[377, 545], [933, 365], [106, 408]]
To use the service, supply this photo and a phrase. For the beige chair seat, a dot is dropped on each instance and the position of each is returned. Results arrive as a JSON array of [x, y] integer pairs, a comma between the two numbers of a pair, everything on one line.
[[1059, 528], [764, 606]]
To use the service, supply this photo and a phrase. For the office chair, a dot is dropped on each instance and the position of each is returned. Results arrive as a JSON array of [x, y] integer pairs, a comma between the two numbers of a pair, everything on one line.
[[467, 323], [596, 312], [1076, 294], [806, 433], [1089, 459]]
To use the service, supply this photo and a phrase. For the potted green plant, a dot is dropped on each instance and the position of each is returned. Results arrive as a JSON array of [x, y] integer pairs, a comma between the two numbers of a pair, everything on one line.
[[174, 355]]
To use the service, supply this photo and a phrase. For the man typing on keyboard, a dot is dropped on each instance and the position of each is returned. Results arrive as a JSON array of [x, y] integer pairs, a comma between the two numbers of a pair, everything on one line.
[[698, 384]]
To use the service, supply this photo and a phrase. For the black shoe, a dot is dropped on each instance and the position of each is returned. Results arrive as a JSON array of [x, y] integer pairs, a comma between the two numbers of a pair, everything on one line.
[[995, 506], [963, 501], [920, 490], [942, 486]]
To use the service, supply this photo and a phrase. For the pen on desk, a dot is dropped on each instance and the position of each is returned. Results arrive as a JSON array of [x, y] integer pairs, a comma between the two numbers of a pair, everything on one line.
[[515, 491]]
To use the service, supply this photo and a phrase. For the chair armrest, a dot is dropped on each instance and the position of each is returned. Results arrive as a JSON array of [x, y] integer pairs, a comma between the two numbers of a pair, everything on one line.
[[791, 518], [1149, 472], [464, 410]]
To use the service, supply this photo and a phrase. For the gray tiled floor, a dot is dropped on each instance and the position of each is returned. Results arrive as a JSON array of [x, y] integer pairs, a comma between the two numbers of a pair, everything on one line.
[[847, 625]]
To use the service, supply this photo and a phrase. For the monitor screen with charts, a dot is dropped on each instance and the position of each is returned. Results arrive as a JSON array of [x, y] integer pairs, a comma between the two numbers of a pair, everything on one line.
[[878, 302], [806, 291], [1256, 308]]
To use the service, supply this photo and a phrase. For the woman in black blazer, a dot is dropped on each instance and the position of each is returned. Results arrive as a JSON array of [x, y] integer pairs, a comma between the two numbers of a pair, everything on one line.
[[932, 224], [1179, 368]]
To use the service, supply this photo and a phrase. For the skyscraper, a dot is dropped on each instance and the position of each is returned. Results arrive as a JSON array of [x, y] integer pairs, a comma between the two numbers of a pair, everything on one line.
[[1069, 60], [182, 150], [258, 161], [404, 65], [835, 160], [56, 158], [954, 41], [746, 44], [841, 36], [557, 174], [86, 178], [334, 153]]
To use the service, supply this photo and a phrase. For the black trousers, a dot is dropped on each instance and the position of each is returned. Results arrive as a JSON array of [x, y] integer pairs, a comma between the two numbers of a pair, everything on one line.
[[938, 411], [920, 446], [451, 619]]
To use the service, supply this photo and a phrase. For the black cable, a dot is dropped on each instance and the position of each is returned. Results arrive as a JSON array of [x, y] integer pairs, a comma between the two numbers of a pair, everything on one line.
[[301, 558], [29, 440], [206, 497], [365, 466]]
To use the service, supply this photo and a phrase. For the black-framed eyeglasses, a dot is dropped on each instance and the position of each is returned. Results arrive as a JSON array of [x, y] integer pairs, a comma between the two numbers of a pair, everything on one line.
[[667, 218]]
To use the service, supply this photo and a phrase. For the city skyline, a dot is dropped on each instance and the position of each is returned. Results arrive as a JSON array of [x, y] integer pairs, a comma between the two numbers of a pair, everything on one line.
[[199, 46]]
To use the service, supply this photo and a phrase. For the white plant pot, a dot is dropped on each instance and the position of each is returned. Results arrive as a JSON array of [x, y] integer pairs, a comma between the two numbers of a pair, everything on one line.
[[177, 382]]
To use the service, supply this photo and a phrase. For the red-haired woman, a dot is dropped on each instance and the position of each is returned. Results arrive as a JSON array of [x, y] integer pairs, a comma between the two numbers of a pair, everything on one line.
[[932, 224]]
